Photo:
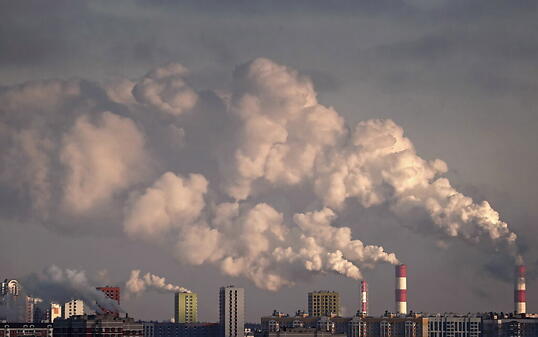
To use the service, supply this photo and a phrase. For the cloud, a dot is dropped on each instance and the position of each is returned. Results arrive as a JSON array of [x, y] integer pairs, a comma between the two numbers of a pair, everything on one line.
[[164, 88], [186, 169], [102, 159]]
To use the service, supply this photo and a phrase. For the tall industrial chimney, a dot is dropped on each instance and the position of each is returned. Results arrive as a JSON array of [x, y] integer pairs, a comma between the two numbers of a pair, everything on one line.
[[401, 289], [520, 291], [364, 298]]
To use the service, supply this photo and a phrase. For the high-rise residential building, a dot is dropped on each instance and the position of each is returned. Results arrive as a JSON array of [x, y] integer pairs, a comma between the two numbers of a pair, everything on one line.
[[54, 311], [72, 308], [10, 287], [324, 303], [30, 309], [112, 293], [185, 307], [231, 311]]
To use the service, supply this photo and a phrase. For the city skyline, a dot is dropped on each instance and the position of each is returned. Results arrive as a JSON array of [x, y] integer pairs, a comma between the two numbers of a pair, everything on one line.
[[284, 148]]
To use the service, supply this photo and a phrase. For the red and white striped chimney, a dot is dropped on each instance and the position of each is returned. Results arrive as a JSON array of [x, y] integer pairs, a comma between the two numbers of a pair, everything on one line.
[[520, 291], [401, 289], [364, 298]]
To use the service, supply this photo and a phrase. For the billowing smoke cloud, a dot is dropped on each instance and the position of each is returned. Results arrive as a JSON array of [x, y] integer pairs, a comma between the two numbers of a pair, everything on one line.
[[82, 154], [61, 285], [138, 284]]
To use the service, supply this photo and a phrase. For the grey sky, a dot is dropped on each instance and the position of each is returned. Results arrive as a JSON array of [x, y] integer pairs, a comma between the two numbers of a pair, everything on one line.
[[461, 79]]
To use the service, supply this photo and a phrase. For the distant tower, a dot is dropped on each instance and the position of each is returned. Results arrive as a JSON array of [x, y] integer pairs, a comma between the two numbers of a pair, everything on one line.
[[401, 289], [232, 311], [72, 308], [10, 287], [364, 298], [185, 307], [323, 303], [520, 291]]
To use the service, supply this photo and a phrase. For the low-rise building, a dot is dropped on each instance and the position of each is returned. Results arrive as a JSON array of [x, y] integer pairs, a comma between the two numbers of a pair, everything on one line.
[[303, 325], [108, 325], [447, 325], [509, 325], [388, 326], [169, 329], [26, 330]]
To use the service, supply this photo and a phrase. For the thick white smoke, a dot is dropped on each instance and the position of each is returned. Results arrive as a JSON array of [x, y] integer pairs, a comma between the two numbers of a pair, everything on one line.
[[187, 169], [58, 285], [138, 284]]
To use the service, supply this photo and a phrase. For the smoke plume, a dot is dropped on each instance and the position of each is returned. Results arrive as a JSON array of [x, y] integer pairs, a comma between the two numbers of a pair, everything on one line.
[[58, 285], [186, 168], [138, 284]]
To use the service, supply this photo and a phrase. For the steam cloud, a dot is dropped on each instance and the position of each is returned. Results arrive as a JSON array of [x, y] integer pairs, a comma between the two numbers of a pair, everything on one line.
[[137, 284], [61, 285], [187, 169]]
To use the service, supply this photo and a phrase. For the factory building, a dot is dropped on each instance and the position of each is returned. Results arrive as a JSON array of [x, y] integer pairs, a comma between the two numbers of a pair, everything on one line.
[[185, 307], [232, 311], [324, 303]]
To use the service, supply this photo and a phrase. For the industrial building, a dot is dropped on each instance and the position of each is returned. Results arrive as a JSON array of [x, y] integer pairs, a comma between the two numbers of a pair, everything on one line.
[[185, 307], [231, 311], [324, 303]]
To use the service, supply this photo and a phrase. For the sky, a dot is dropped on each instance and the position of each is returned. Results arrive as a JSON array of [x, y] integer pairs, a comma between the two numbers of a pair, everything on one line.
[[280, 146]]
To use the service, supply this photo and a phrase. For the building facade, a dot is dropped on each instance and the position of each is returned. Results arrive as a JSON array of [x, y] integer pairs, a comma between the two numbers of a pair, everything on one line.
[[324, 303], [98, 325], [112, 293], [303, 325], [509, 326], [185, 307], [231, 311], [26, 330], [389, 326], [454, 326], [169, 329], [54, 311], [72, 308]]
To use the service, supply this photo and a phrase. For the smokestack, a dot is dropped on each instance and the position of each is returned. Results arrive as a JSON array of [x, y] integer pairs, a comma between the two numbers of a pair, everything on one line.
[[401, 289], [364, 298], [520, 291]]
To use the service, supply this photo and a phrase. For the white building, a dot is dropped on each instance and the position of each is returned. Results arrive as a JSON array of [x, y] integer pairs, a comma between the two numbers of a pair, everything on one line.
[[73, 308], [232, 311]]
